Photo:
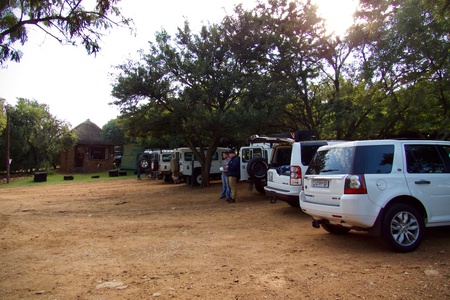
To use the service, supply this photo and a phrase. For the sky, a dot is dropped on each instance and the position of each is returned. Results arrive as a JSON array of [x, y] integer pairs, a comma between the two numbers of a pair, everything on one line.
[[77, 86]]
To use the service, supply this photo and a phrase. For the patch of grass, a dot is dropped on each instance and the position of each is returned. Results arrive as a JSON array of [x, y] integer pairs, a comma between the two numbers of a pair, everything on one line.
[[57, 178]]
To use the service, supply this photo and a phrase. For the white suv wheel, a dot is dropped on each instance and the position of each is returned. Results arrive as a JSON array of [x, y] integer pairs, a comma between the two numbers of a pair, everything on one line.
[[403, 227]]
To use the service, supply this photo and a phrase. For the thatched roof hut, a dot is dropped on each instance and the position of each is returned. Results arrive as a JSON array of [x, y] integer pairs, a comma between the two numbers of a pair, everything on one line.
[[92, 153], [90, 134]]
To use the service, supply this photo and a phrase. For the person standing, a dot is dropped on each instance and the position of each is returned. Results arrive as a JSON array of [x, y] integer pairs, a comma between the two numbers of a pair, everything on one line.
[[233, 173], [225, 184]]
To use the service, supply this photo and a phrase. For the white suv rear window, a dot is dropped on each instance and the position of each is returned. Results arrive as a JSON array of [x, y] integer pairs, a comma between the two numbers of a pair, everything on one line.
[[353, 160]]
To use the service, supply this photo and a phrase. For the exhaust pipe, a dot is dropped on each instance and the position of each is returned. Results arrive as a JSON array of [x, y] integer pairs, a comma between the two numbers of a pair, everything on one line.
[[316, 223]]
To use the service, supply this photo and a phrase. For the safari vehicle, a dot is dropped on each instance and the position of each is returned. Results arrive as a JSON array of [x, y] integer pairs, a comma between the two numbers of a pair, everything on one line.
[[184, 166], [389, 188], [254, 160], [288, 164], [155, 163], [143, 162], [164, 158]]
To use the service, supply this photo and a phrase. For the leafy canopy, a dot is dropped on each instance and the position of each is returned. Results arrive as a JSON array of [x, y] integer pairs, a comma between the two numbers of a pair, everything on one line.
[[65, 20]]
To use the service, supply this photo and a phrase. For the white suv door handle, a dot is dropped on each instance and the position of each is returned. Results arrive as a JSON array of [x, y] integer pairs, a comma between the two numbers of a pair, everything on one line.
[[422, 181]]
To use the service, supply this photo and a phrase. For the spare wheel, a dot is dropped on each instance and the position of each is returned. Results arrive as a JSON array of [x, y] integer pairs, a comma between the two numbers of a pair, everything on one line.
[[257, 168]]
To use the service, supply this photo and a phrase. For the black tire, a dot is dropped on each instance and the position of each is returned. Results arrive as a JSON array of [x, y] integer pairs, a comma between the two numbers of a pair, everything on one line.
[[335, 229], [257, 168], [259, 186], [197, 177], [143, 164], [168, 178], [294, 203], [402, 227], [154, 165]]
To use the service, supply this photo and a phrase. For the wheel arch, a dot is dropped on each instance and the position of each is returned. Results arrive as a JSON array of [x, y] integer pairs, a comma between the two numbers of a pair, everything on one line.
[[404, 199]]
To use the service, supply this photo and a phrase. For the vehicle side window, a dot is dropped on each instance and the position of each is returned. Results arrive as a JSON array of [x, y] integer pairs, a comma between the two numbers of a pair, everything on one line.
[[166, 157], [188, 156], [375, 159], [446, 150], [215, 156], [308, 153], [423, 159], [248, 154]]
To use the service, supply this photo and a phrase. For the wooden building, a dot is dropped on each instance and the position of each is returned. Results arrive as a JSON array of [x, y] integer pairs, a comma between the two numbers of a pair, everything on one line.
[[91, 153]]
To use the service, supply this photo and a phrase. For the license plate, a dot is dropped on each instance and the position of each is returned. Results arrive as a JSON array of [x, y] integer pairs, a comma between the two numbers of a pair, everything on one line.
[[270, 176], [320, 183]]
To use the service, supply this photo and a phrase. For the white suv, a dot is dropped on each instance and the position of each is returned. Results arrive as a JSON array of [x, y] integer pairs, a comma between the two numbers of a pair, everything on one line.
[[390, 188], [288, 163], [255, 159]]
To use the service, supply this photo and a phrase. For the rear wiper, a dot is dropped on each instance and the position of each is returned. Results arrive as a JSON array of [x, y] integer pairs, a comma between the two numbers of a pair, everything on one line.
[[328, 170]]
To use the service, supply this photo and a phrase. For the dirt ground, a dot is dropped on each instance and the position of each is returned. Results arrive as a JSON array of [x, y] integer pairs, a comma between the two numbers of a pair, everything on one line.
[[130, 239]]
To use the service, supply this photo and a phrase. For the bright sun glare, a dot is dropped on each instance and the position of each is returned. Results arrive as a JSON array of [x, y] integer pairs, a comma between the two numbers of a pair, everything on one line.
[[337, 13]]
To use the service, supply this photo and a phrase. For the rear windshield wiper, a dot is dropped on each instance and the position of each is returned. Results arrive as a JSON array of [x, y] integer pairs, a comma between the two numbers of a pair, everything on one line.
[[328, 170]]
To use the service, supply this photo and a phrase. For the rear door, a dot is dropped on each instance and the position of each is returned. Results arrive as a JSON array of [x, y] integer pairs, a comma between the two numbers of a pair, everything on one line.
[[428, 176], [278, 175], [324, 181], [246, 155]]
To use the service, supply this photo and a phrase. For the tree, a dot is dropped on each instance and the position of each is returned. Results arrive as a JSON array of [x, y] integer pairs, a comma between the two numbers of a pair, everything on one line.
[[113, 132], [37, 137], [251, 73], [2, 114], [404, 51], [65, 20], [195, 86]]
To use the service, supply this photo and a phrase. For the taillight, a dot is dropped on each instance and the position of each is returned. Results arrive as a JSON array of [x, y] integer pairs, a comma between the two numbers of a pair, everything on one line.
[[355, 184], [296, 175]]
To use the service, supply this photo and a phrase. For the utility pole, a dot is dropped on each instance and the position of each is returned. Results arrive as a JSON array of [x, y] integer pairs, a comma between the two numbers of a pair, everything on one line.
[[8, 133]]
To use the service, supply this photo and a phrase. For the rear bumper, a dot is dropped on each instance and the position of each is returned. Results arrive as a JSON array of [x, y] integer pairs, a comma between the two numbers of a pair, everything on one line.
[[351, 211], [283, 195]]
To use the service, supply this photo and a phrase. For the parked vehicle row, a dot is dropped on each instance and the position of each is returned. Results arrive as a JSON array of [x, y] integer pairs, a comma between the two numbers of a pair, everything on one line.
[[155, 163], [185, 167], [392, 189]]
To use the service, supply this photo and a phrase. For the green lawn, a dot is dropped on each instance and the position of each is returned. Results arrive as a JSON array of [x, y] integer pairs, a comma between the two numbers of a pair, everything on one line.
[[56, 178]]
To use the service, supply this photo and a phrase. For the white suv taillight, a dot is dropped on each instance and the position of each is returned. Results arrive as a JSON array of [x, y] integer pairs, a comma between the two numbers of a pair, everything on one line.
[[355, 184], [296, 175]]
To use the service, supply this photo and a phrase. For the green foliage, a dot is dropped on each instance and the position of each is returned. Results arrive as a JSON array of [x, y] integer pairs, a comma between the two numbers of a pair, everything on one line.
[[274, 69], [2, 114], [65, 20], [113, 132], [399, 47], [193, 86], [37, 137]]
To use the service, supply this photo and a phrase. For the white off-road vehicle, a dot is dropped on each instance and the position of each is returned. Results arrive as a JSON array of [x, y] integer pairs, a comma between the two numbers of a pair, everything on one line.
[[184, 166], [389, 188], [254, 160], [288, 164], [156, 163], [161, 163]]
